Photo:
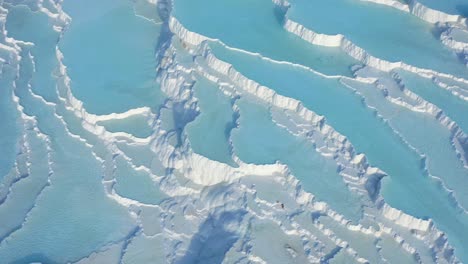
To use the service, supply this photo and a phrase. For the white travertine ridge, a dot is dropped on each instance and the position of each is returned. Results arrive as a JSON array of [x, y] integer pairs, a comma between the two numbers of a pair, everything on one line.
[[425, 13], [268, 96], [242, 212]]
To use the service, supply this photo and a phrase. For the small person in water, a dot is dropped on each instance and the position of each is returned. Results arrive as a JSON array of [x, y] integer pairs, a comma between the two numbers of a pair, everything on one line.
[[282, 204]]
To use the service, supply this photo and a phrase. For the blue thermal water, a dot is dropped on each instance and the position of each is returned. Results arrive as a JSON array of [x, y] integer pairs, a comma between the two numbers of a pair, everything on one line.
[[123, 140], [22, 25], [8, 126], [455, 7], [442, 161], [453, 106], [209, 133], [109, 53], [25, 25], [259, 25], [73, 205], [257, 138], [136, 184], [22, 196], [408, 186], [407, 38], [363, 242]]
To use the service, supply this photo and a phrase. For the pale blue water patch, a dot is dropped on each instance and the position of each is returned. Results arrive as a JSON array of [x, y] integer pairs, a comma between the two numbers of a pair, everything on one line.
[[140, 154], [455, 7], [73, 216], [75, 126], [136, 184], [384, 32], [136, 125], [167, 119], [272, 245], [209, 132], [256, 26], [110, 56], [35, 27], [19, 21], [408, 188], [436, 145], [147, 10], [393, 252], [442, 158], [9, 129], [145, 249], [441, 162], [364, 244], [258, 140], [453, 106], [23, 193], [342, 257]]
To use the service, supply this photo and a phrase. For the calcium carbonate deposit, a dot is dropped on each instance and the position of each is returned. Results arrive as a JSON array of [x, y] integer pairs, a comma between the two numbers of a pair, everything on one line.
[[233, 131]]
